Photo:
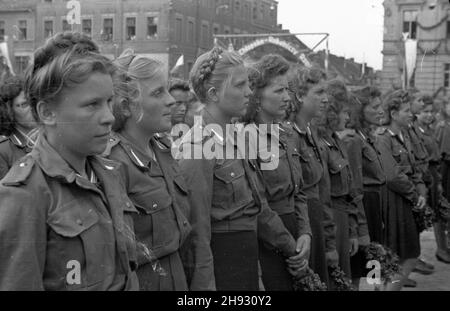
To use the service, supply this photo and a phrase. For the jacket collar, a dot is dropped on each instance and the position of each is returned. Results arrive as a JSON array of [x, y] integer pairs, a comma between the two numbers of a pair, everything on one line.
[[136, 155], [54, 165]]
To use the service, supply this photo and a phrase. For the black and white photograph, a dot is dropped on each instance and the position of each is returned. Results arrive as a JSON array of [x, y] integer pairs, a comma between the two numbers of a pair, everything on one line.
[[233, 146]]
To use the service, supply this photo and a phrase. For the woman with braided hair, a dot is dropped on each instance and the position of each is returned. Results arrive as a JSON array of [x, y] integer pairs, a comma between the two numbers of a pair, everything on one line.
[[229, 209], [17, 124], [65, 220]]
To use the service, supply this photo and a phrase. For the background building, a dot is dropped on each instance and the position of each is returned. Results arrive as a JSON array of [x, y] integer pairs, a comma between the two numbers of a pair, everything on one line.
[[162, 29], [428, 22]]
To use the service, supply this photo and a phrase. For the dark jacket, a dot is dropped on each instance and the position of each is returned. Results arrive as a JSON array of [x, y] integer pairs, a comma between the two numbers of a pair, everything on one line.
[[51, 218], [12, 148], [227, 195]]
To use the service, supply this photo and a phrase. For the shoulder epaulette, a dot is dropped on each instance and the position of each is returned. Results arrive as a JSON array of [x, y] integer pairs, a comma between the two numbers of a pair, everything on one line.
[[112, 141], [19, 172]]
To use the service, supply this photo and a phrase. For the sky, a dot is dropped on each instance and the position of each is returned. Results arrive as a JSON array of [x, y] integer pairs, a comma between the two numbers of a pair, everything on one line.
[[355, 26]]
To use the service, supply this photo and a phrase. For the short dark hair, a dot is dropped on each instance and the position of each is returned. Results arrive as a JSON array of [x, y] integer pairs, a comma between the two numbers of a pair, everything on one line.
[[394, 100], [178, 84], [9, 90], [358, 100]]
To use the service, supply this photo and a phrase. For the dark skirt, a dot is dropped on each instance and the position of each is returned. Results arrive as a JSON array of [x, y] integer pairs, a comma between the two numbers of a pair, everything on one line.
[[275, 276], [235, 260], [433, 194], [170, 278], [375, 206], [341, 219], [401, 231], [445, 172], [317, 259]]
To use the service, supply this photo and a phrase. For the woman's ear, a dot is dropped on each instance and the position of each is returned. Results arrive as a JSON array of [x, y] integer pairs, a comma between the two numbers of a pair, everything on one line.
[[46, 113], [212, 95], [393, 114], [125, 107]]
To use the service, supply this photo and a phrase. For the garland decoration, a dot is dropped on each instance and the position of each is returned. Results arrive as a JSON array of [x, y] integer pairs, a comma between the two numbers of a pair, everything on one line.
[[444, 19], [426, 51]]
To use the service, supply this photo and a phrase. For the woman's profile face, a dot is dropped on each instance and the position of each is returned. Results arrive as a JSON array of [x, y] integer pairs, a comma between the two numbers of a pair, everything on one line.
[[234, 98], [275, 99], [156, 103], [22, 112], [373, 113], [83, 118]]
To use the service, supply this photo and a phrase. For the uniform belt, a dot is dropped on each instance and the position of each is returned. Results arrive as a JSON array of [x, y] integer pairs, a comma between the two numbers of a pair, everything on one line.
[[243, 223]]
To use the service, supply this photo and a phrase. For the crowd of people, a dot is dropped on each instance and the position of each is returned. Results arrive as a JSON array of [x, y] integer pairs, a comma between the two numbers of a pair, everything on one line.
[[92, 197]]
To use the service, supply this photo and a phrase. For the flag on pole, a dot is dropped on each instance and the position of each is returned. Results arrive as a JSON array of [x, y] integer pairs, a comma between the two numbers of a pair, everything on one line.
[[410, 59], [179, 63], [4, 52]]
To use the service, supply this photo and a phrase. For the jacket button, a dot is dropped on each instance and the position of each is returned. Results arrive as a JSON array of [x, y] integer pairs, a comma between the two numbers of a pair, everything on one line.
[[185, 223], [23, 164], [155, 205], [295, 149], [79, 222], [232, 174], [128, 204]]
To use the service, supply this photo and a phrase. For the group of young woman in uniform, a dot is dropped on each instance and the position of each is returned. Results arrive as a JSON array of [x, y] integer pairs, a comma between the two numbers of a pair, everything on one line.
[[94, 199]]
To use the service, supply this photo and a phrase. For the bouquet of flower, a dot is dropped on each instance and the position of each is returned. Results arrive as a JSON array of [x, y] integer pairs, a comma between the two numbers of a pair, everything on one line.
[[423, 218], [309, 281], [388, 260], [340, 280]]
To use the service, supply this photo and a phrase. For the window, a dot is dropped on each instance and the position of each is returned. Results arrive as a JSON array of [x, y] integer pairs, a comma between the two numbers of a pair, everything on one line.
[[21, 63], [216, 30], [152, 26], [2, 30], [410, 23], [205, 34], [178, 29], [190, 32], [447, 75], [48, 29], [86, 25], [131, 28], [22, 30], [107, 29], [66, 26], [237, 7]]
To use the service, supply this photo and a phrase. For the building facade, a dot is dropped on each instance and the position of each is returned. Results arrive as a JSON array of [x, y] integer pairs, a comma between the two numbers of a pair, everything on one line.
[[428, 22], [162, 29]]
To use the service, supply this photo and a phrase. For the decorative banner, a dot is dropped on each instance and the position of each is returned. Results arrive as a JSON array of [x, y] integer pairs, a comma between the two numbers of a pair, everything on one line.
[[4, 52], [275, 41], [305, 61], [410, 58]]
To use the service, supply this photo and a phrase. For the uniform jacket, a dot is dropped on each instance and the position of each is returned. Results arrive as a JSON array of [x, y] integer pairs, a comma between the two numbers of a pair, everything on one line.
[[12, 148], [345, 196], [159, 192], [52, 218], [227, 195], [367, 170], [284, 183], [443, 138], [398, 161]]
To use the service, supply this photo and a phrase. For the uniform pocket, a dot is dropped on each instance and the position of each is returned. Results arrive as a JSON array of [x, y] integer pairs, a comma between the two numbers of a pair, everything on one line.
[[75, 236], [339, 178], [370, 154], [231, 188]]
